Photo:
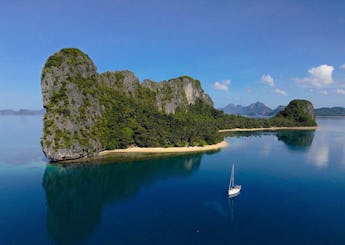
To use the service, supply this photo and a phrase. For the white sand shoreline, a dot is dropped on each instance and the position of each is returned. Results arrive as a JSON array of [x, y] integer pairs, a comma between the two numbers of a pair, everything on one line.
[[267, 129], [165, 150], [189, 149]]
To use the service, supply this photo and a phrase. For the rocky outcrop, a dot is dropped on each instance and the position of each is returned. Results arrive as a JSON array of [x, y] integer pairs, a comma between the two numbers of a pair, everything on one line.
[[177, 93], [71, 111], [299, 111], [121, 81], [84, 107]]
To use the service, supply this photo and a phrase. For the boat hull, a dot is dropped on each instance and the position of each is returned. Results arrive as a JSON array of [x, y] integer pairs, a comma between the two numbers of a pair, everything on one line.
[[234, 191]]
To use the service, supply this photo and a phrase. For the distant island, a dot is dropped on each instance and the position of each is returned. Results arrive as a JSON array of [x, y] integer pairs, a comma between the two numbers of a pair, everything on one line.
[[89, 112], [259, 109], [21, 112], [329, 112]]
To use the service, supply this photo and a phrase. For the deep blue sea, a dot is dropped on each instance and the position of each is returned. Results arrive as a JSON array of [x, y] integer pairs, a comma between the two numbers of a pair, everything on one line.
[[293, 192]]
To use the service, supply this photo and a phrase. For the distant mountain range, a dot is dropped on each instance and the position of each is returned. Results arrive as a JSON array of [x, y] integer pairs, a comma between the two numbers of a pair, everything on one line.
[[259, 109], [21, 112], [256, 109]]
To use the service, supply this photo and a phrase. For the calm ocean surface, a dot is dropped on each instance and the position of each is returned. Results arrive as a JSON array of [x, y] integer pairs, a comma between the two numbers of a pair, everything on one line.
[[293, 192]]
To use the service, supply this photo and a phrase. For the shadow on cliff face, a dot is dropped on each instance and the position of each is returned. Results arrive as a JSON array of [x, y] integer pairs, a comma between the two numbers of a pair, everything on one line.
[[295, 140], [77, 194]]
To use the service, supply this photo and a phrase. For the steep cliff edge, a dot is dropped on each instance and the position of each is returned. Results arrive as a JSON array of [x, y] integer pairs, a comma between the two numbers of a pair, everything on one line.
[[87, 112], [177, 93], [67, 79], [300, 112]]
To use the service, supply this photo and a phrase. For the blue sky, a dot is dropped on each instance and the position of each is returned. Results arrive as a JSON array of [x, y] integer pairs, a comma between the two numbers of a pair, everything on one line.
[[241, 51]]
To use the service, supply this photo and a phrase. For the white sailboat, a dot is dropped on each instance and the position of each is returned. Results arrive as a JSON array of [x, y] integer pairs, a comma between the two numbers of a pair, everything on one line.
[[234, 190]]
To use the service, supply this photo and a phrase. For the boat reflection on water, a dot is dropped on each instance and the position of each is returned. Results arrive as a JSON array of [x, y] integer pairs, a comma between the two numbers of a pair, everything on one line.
[[231, 202], [77, 194]]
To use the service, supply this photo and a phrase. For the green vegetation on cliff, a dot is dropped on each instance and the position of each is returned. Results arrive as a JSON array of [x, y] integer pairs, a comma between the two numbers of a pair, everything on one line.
[[87, 112], [301, 112], [136, 121]]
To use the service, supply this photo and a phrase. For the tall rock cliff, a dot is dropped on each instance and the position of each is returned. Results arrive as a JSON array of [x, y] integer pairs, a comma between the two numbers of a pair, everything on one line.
[[87, 112], [177, 93], [68, 78]]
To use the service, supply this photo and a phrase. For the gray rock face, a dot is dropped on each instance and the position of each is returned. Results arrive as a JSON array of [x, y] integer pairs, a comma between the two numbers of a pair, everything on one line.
[[71, 112], [66, 64], [75, 98], [124, 81], [309, 109], [177, 93], [306, 108]]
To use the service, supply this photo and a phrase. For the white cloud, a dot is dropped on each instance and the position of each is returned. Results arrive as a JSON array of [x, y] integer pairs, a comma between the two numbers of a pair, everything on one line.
[[281, 92], [319, 155], [224, 85], [340, 91], [324, 92], [268, 80], [342, 66], [319, 76]]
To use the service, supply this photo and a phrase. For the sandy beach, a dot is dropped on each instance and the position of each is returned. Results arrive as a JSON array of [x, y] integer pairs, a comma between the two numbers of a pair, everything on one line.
[[267, 129], [165, 150]]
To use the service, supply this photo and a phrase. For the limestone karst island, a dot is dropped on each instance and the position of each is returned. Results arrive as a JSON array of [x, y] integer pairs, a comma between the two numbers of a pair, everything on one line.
[[89, 112]]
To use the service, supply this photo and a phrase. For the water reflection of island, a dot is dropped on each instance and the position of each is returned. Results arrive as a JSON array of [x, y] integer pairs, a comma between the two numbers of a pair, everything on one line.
[[294, 139], [77, 194]]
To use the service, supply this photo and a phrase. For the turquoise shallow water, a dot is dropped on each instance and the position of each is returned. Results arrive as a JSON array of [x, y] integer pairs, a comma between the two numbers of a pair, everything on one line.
[[293, 192]]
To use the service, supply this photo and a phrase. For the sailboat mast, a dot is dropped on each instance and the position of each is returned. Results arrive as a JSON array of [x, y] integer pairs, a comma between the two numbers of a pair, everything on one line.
[[232, 180], [233, 174]]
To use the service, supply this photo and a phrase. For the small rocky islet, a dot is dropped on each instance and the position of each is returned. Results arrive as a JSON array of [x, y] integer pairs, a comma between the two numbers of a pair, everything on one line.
[[88, 112]]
